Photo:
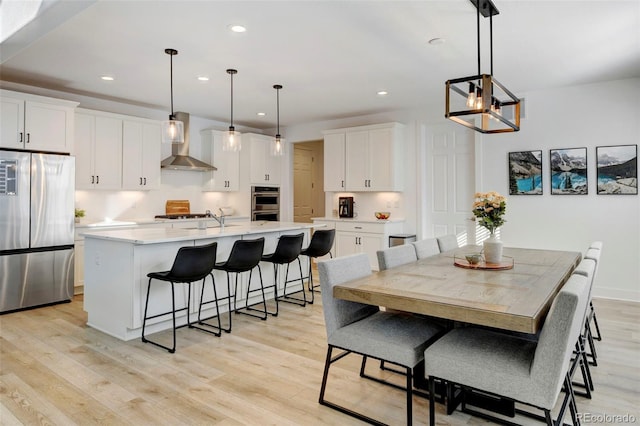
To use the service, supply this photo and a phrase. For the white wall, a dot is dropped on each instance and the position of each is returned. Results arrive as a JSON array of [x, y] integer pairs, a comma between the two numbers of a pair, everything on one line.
[[580, 116]]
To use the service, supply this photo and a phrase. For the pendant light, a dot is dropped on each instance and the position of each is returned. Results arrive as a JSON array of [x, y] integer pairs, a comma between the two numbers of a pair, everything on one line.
[[232, 138], [277, 147], [480, 102], [172, 130]]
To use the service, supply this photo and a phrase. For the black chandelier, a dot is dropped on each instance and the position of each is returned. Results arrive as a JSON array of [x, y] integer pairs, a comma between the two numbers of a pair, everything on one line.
[[480, 102]]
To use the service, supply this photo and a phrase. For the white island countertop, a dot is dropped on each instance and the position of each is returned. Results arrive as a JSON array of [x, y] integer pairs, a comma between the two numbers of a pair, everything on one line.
[[165, 235]]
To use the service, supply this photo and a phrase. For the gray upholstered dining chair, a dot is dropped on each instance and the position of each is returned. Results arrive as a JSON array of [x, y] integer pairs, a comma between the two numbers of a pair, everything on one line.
[[532, 373], [396, 256], [447, 242], [587, 269], [365, 330], [596, 245], [426, 248], [594, 252]]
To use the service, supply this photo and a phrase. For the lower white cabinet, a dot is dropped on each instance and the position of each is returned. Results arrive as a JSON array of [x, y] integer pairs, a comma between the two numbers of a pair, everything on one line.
[[361, 236]]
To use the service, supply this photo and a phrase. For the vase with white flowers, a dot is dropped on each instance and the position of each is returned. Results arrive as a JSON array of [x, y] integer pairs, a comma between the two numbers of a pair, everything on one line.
[[489, 209]]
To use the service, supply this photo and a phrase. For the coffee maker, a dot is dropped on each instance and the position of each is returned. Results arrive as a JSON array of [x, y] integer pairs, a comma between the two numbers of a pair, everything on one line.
[[345, 206]]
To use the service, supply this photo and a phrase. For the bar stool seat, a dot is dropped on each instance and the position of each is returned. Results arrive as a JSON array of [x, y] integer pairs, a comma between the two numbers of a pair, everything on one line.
[[191, 264], [320, 245], [244, 257], [287, 251]]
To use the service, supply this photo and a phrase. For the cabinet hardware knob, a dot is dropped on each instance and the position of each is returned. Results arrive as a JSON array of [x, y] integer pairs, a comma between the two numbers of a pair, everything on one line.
[[21, 136], [97, 179], [145, 181], [140, 181], [93, 179], [28, 137]]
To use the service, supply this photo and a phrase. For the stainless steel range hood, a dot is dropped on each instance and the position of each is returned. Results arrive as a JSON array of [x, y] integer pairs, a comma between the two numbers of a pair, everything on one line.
[[180, 159]]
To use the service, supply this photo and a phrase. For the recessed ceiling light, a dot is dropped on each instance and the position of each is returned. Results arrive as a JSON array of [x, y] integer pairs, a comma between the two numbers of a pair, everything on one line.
[[382, 93], [436, 41], [107, 78], [237, 28], [203, 78], [261, 114]]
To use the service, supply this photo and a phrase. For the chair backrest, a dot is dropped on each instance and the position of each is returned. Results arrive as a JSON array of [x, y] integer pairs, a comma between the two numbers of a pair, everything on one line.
[[288, 248], [245, 255], [447, 242], [339, 313], [559, 334], [321, 242], [596, 245], [193, 263], [587, 268], [594, 254], [395, 256], [426, 248]]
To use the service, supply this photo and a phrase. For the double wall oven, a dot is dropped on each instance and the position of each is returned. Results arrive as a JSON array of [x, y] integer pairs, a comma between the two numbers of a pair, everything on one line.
[[265, 203]]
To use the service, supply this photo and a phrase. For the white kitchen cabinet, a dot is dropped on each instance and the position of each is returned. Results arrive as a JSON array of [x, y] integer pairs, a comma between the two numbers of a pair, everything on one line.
[[98, 150], [265, 169], [334, 162], [227, 177], [36, 123], [370, 159], [141, 152], [362, 237]]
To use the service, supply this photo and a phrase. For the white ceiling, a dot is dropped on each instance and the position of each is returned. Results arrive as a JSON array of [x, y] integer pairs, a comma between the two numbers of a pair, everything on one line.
[[330, 56]]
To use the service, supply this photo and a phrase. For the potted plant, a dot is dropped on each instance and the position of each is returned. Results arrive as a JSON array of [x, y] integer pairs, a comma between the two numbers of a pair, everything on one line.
[[79, 213]]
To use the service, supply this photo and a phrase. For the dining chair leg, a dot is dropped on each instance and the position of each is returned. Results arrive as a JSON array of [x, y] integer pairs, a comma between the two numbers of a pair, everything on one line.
[[432, 401]]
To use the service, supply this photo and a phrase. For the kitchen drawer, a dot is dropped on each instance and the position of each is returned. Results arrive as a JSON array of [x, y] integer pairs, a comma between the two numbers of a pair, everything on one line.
[[372, 228]]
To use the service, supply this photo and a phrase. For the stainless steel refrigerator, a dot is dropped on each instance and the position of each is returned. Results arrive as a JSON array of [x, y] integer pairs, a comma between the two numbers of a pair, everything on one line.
[[37, 193]]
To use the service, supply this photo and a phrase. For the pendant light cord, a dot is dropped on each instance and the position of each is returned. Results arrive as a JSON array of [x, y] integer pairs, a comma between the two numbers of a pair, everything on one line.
[[231, 99], [171, 84], [478, 33], [278, 110]]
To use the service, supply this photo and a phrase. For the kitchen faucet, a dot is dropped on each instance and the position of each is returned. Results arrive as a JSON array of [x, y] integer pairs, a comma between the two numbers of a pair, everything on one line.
[[219, 219]]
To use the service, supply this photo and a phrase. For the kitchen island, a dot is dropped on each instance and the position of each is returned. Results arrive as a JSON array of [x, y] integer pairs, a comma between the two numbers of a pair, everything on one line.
[[116, 264]]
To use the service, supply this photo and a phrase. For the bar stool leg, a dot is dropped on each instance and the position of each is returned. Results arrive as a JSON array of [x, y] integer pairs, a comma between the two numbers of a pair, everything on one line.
[[173, 317], [294, 300], [248, 307], [201, 321]]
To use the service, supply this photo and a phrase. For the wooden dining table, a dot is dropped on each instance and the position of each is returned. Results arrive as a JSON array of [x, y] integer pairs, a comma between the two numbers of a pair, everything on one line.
[[515, 299]]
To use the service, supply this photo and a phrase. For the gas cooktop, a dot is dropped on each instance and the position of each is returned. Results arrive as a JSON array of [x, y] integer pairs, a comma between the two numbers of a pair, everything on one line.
[[181, 216]]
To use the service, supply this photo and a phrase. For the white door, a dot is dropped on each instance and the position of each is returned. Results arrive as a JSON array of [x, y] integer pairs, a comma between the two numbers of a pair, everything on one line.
[[450, 159]]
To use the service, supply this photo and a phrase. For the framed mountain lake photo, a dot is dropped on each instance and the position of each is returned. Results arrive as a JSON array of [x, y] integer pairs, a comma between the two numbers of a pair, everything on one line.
[[525, 173], [617, 169]]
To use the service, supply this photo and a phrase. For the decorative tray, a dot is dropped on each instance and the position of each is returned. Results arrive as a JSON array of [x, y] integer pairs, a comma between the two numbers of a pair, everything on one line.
[[462, 262]]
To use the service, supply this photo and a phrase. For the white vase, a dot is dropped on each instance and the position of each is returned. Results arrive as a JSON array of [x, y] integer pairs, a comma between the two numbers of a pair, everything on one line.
[[492, 250]]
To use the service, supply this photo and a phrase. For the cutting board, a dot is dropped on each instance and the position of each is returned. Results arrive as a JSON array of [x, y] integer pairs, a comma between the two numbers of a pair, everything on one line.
[[177, 207]]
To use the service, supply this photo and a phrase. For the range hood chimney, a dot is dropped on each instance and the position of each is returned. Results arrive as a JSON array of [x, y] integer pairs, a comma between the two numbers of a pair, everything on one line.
[[180, 159]]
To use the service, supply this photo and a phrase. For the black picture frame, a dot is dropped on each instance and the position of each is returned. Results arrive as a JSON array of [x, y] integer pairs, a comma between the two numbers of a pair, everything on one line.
[[525, 172], [568, 171], [617, 169]]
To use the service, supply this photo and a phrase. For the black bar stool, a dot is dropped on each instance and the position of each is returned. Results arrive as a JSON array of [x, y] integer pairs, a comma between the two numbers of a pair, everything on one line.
[[244, 257], [320, 245], [287, 251], [190, 265]]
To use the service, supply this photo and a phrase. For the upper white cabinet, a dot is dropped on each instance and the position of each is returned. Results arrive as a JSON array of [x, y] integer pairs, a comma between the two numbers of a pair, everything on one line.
[[36, 123], [141, 152], [98, 148], [371, 160], [227, 177], [334, 162], [264, 168]]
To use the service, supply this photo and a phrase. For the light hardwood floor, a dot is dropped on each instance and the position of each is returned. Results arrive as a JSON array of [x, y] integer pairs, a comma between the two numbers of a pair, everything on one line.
[[57, 371]]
